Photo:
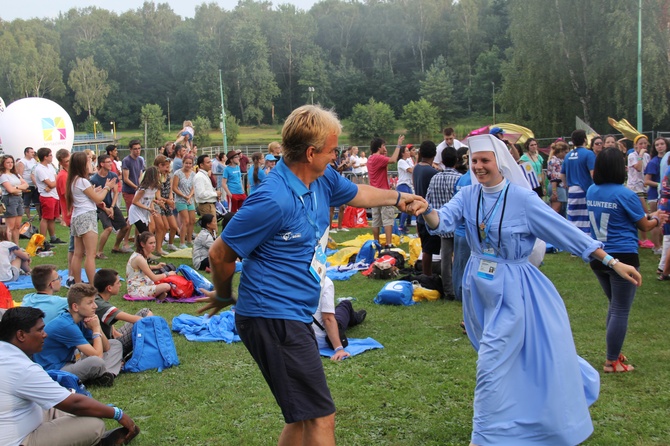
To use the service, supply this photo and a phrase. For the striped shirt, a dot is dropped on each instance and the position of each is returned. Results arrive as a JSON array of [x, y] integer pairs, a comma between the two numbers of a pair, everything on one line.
[[442, 189]]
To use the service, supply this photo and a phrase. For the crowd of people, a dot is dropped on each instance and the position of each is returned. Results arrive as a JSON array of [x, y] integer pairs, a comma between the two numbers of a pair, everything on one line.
[[479, 207]]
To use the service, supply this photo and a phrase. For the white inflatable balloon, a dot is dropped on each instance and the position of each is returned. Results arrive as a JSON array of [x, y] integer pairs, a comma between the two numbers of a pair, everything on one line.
[[35, 122]]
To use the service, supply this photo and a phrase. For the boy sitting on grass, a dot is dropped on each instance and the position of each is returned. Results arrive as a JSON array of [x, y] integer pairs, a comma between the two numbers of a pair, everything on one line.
[[47, 283], [79, 329], [108, 283]]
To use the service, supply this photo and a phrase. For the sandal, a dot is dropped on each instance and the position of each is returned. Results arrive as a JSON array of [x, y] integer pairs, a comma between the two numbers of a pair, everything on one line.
[[101, 256], [622, 358], [614, 366], [663, 277]]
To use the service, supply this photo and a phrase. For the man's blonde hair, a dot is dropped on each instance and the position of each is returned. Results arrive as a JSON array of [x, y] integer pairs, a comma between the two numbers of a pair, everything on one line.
[[309, 125]]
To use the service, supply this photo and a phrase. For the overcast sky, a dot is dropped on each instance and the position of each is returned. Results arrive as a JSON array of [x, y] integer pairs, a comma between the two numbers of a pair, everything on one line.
[[27, 9]]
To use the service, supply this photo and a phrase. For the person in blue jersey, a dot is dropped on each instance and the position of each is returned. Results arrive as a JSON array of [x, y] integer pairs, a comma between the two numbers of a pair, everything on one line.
[[616, 214], [281, 233], [652, 179], [532, 387], [577, 176]]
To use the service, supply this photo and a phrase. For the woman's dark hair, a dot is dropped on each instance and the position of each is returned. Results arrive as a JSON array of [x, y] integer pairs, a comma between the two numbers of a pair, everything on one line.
[[526, 145], [142, 240], [19, 318], [78, 169], [205, 220], [151, 179], [462, 161], [2, 164], [593, 141], [610, 167], [256, 159]]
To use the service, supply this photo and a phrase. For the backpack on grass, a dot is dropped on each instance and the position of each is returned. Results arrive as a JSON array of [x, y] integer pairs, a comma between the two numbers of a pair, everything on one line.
[[153, 347]]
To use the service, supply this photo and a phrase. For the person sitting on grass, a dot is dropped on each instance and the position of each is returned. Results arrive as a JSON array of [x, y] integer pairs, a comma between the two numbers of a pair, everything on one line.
[[330, 320], [78, 328], [140, 275], [13, 260], [203, 242], [108, 284], [35, 409], [47, 282]]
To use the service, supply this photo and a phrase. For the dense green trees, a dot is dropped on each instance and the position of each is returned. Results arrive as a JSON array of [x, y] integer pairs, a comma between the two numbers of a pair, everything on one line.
[[547, 60]]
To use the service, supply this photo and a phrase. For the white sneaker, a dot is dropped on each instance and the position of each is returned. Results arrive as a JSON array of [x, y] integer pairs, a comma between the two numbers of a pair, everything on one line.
[[183, 246], [172, 247], [333, 231], [344, 229]]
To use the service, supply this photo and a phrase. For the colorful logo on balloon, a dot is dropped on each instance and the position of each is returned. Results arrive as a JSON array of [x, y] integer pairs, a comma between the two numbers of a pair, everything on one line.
[[54, 129]]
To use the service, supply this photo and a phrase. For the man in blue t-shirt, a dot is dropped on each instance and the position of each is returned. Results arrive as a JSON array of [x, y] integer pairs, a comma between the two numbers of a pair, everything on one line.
[[109, 213], [577, 174], [281, 232]]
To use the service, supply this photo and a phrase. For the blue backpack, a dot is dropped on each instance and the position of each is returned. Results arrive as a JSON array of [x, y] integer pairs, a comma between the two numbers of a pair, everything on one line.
[[69, 381], [368, 252], [153, 347], [398, 292], [199, 281]]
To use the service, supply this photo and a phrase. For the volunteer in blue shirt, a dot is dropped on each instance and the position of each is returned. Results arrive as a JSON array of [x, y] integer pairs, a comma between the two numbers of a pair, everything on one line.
[[615, 214], [577, 175], [281, 232]]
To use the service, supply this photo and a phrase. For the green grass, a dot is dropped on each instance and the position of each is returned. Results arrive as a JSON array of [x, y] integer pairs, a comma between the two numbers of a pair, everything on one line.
[[418, 390]]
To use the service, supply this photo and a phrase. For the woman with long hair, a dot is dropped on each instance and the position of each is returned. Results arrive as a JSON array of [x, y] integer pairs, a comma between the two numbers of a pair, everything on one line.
[[204, 241], [165, 220], [616, 215], [82, 201], [143, 209], [652, 179], [182, 187], [140, 276], [558, 194], [12, 186], [532, 155], [256, 171]]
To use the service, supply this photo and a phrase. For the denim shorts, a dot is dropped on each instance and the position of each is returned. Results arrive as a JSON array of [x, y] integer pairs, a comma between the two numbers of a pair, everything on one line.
[[14, 205]]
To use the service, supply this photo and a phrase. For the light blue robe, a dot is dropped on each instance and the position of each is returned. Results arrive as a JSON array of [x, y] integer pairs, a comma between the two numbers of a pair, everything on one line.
[[532, 388]]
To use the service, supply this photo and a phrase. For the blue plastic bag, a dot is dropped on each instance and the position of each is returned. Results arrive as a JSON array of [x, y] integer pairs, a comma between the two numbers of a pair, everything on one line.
[[199, 281]]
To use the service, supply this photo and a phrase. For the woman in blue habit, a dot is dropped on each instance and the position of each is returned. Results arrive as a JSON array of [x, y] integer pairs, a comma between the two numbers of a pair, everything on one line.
[[532, 387]]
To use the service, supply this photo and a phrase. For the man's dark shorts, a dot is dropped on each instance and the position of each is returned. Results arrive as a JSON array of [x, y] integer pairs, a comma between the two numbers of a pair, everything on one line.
[[118, 222], [287, 354], [429, 243], [31, 195]]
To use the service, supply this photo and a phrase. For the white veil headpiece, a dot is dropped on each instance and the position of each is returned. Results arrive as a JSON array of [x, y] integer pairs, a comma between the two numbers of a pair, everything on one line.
[[506, 163]]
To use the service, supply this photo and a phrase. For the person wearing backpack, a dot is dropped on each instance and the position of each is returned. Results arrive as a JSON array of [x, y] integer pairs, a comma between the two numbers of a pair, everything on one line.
[[99, 361], [108, 284], [35, 409]]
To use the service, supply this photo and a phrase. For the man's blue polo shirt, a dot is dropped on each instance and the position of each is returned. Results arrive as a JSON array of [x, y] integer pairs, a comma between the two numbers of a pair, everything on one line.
[[274, 232], [577, 166], [63, 335]]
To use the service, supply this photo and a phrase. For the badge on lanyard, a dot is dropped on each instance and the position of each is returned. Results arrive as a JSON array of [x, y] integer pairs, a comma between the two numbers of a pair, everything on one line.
[[487, 269], [318, 266]]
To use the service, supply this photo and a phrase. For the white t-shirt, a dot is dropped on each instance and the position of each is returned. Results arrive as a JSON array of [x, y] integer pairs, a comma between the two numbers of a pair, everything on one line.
[[364, 160], [81, 203], [356, 164], [138, 214], [7, 249], [14, 180], [26, 391], [43, 172], [441, 147], [326, 305], [405, 177], [636, 179], [29, 165]]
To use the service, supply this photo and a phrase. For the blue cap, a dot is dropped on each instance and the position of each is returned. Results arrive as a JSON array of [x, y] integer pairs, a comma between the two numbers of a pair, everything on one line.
[[496, 130], [270, 157]]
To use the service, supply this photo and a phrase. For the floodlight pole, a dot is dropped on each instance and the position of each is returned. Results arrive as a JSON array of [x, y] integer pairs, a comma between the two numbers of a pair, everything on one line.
[[639, 66], [223, 115]]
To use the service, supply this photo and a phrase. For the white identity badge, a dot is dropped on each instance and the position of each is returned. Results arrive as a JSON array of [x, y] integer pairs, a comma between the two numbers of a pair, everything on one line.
[[487, 269]]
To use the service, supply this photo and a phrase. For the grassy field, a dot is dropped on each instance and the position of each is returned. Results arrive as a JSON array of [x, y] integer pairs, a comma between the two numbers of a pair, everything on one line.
[[418, 390]]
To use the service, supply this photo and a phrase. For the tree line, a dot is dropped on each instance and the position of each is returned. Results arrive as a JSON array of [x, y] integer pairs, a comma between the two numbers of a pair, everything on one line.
[[426, 62]]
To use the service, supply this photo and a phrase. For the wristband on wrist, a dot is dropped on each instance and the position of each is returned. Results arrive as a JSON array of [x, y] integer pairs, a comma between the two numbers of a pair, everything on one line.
[[118, 414], [398, 200], [658, 222], [96, 335], [428, 210], [607, 259], [613, 262], [339, 348]]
